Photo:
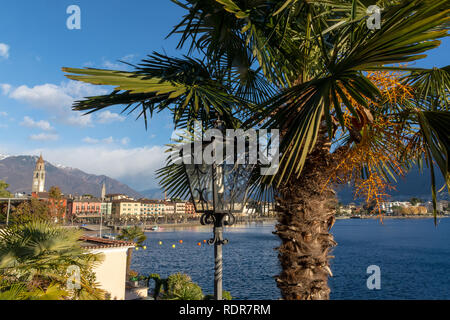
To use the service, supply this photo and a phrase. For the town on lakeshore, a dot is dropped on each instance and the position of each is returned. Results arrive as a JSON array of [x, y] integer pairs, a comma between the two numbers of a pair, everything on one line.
[[100, 218], [116, 210]]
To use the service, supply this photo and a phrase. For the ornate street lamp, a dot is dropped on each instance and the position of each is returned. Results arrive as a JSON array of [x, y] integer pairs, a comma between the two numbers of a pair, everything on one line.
[[218, 191]]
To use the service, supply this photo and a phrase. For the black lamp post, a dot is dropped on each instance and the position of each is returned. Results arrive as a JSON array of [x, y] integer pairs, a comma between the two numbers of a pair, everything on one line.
[[218, 191]]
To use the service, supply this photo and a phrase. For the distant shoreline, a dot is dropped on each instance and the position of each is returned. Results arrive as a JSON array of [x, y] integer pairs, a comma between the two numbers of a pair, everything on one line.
[[396, 217], [198, 224], [267, 221], [273, 221]]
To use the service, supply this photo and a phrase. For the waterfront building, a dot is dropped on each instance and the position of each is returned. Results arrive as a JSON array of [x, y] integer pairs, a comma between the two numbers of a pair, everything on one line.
[[117, 196], [39, 176], [258, 208], [106, 209], [189, 209], [86, 208], [413, 210], [151, 207], [388, 206], [180, 208], [145, 208], [125, 208], [249, 209], [20, 195], [346, 210], [169, 207], [441, 206]]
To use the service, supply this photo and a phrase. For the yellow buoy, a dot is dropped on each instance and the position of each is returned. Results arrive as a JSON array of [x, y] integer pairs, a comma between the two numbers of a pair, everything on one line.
[[173, 246], [160, 243], [137, 248], [144, 247]]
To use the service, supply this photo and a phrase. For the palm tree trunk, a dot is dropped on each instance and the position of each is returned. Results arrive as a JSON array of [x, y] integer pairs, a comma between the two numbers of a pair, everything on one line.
[[306, 217], [129, 259]]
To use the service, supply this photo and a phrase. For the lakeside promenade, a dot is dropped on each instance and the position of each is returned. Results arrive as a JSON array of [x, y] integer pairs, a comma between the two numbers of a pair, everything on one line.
[[198, 224], [428, 216], [274, 221], [241, 223]]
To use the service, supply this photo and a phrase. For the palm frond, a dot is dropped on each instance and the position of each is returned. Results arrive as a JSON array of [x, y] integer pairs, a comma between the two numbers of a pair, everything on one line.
[[432, 87], [185, 86]]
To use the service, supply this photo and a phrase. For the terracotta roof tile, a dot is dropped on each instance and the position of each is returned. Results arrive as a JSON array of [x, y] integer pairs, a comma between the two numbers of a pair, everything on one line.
[[100, 243]]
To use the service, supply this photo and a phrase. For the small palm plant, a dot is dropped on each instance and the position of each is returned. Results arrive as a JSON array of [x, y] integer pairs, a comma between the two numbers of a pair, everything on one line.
[[35, 258], [132, 234]]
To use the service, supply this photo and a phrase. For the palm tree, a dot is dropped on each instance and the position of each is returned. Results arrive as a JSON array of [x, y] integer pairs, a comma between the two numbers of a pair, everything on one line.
[[346, 110], [132, 234], [3, 192], [34, 259]]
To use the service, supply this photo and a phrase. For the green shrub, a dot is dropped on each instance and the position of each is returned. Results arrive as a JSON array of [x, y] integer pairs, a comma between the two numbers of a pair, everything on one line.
[[181, 287], [225, 296]]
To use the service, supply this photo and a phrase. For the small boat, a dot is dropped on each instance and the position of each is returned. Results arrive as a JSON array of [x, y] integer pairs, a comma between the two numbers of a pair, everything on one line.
[[355, 217], [109, 237], [154, 228]]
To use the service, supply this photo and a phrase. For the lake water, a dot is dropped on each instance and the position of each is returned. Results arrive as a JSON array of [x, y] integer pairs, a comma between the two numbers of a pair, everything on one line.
[[413, 256]]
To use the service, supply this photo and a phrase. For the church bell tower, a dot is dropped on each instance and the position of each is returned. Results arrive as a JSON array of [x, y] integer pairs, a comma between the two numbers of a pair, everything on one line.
[[39, 176], [103, 191]]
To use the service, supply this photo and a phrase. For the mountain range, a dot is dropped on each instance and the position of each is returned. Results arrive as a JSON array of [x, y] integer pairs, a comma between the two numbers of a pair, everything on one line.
[[413, 184], [155, 193], [17, 171]]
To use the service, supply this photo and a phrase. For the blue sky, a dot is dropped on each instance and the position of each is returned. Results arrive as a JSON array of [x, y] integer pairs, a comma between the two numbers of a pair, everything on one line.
[[35, 97]]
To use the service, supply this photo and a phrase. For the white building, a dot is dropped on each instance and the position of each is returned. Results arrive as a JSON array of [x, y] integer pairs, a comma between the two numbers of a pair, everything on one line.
[[440, 206], [180, 208], [111, 273], [387, 206], [169, 208]]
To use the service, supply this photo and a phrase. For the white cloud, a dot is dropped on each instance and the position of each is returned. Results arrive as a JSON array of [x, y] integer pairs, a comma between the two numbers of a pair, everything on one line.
[[46, 96], [58, 99], [118, 64], [128, 57], [30, 123], [80, 120], [133, 166], [109, 117], [91, 140], [4, 50], [3, 114], [109, 140], [79, 90], [113, 65], [44, 137], [125, 141], [5, 88]]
